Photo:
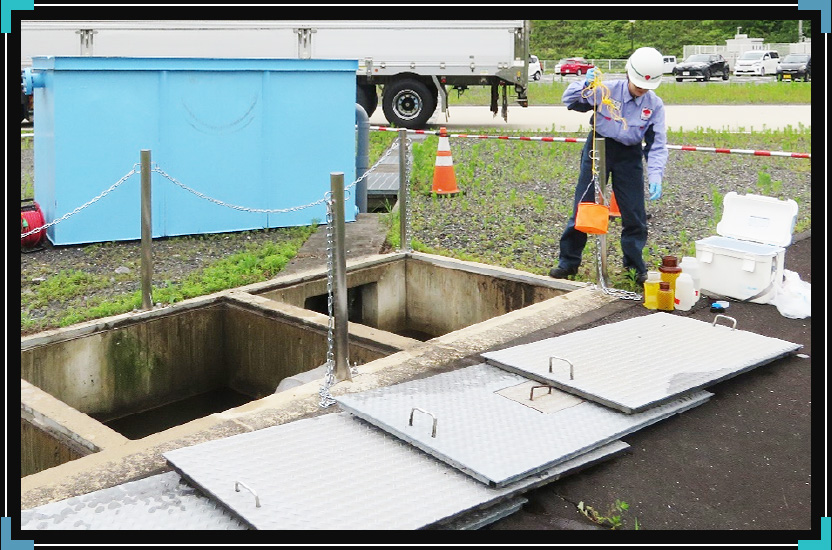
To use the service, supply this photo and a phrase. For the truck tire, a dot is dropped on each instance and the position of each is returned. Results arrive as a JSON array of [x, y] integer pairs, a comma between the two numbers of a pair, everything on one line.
[[366, 96], [408, 103]]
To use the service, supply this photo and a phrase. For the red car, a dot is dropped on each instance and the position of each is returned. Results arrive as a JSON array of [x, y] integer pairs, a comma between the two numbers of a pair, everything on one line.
[[573, 65]]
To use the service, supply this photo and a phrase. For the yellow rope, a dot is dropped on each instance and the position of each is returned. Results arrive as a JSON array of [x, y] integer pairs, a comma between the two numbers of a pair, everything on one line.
[[593, 89]]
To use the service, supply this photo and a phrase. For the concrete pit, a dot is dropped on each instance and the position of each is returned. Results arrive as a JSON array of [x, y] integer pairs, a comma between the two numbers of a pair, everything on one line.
[[103, 383]]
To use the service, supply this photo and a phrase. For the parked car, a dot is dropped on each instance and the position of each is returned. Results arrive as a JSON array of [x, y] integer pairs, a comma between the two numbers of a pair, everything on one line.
[[757, 62], [702, 66], [795, 66], [535, 68], [669, 62], [573, 65]]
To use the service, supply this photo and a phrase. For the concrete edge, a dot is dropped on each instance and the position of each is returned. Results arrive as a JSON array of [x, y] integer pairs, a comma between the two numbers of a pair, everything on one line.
[[58, 419], [135, 459]]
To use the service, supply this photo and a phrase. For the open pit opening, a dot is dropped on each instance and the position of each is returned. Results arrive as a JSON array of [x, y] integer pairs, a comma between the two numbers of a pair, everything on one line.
[[141, 374], [423, 297]]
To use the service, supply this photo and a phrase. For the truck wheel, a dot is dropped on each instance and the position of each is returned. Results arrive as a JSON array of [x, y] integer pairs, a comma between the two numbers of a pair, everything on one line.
[[408, 103], [725, 74], [366, 96]]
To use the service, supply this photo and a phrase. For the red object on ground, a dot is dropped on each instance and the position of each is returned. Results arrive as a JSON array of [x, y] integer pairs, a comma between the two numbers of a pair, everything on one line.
[[31, 218]]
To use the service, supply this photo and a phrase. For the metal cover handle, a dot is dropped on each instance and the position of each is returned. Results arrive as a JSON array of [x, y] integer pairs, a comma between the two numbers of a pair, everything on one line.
[[238, 484], [414, 409], [571, 366], [531, 393], [725, 317]]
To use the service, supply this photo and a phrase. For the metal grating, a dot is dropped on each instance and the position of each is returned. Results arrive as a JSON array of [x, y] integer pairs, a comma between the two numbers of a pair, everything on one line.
[[642, 362], [480, 518], [158, 502], [495, 439], [338, 472]]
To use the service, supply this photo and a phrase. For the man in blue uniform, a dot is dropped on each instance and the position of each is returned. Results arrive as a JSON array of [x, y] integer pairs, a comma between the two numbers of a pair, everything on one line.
[[636, 114]]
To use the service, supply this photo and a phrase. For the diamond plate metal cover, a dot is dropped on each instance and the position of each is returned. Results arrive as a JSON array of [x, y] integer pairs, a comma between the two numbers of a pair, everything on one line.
[[639, 363], [158, 502], [336, 471], [495, 439]]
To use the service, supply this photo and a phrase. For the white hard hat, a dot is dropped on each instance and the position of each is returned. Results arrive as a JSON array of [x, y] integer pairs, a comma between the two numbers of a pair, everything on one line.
[[645, 68]]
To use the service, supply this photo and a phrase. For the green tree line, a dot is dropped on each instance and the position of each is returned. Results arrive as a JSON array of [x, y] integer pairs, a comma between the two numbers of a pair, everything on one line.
[[613, 39]]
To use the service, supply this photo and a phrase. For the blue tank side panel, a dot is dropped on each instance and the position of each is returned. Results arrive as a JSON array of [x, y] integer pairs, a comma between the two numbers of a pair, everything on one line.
[[256, 134]]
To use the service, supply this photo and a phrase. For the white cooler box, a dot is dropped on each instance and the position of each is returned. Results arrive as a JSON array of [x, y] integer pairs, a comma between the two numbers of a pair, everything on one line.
[[746, 261]]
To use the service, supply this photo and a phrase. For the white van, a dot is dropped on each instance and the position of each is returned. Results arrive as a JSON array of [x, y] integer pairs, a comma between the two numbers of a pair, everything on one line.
[[669, 63], [757, 62]]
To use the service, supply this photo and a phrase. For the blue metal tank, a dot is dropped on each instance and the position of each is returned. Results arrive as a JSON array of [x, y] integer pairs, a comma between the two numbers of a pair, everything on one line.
[[254, 133]]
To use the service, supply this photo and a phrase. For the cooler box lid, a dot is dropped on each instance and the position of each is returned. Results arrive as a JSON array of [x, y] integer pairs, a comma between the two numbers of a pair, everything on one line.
[[727, 246], [758, 218]]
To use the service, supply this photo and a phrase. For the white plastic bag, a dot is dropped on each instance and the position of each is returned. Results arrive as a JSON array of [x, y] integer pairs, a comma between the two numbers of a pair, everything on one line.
[[793, 297]]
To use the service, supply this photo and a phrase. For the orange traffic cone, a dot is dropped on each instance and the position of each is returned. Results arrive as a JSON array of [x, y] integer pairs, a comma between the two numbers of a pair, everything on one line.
[[444, 178], [614, 212]]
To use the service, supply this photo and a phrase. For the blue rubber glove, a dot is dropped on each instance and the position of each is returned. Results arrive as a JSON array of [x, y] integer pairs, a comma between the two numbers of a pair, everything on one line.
[[590, 75], [655, 189]]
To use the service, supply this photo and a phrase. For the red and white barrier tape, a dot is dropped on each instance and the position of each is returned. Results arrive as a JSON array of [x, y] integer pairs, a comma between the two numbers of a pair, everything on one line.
[[582, 140]]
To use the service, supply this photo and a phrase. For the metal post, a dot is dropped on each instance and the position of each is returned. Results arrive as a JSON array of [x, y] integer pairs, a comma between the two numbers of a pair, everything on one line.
[[403, 207], [601, 154], [362, 157], [147, 232], [339, 277]]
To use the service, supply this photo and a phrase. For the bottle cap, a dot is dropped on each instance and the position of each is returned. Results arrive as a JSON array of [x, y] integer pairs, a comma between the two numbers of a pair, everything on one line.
[[669, 265], [664, 285], [654, 276]]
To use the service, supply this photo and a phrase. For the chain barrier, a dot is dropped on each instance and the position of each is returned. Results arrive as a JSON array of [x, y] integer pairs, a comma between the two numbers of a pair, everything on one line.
[[602, 284], [121, 180], [329, 378], [137, 169], [408, 215]]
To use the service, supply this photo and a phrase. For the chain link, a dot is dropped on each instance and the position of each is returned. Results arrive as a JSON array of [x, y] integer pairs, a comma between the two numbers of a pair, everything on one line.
[[329, 379], [408, 215], [121, 180], [136, 170], [234, 206], [616, 292]]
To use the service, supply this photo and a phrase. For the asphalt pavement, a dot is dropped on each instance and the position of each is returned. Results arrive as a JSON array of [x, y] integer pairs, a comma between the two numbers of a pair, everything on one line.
[[746, 460], [741, 461]]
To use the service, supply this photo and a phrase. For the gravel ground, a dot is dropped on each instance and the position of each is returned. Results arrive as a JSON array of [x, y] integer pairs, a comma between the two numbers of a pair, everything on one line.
[[502, 222]]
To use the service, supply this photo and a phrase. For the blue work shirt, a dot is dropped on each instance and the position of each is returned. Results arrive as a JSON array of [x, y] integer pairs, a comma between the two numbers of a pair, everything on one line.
[[639, 112]]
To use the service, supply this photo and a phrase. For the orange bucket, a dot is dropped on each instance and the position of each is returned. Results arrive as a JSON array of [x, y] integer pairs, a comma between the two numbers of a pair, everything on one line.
[[592, 217]]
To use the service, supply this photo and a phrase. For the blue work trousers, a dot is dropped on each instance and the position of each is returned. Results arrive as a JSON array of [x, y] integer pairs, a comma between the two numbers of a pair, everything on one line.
[[624, 162]]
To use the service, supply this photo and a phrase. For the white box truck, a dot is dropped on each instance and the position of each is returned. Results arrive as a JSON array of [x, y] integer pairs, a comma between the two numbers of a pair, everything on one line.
[[412, 63]]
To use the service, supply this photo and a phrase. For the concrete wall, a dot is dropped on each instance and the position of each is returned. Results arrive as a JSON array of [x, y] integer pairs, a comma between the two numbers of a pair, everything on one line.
[[441, 299], [111, 373], [40, 450], [423, 295], [262, 347], [383, 294], [52, 432], [248, 346]]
